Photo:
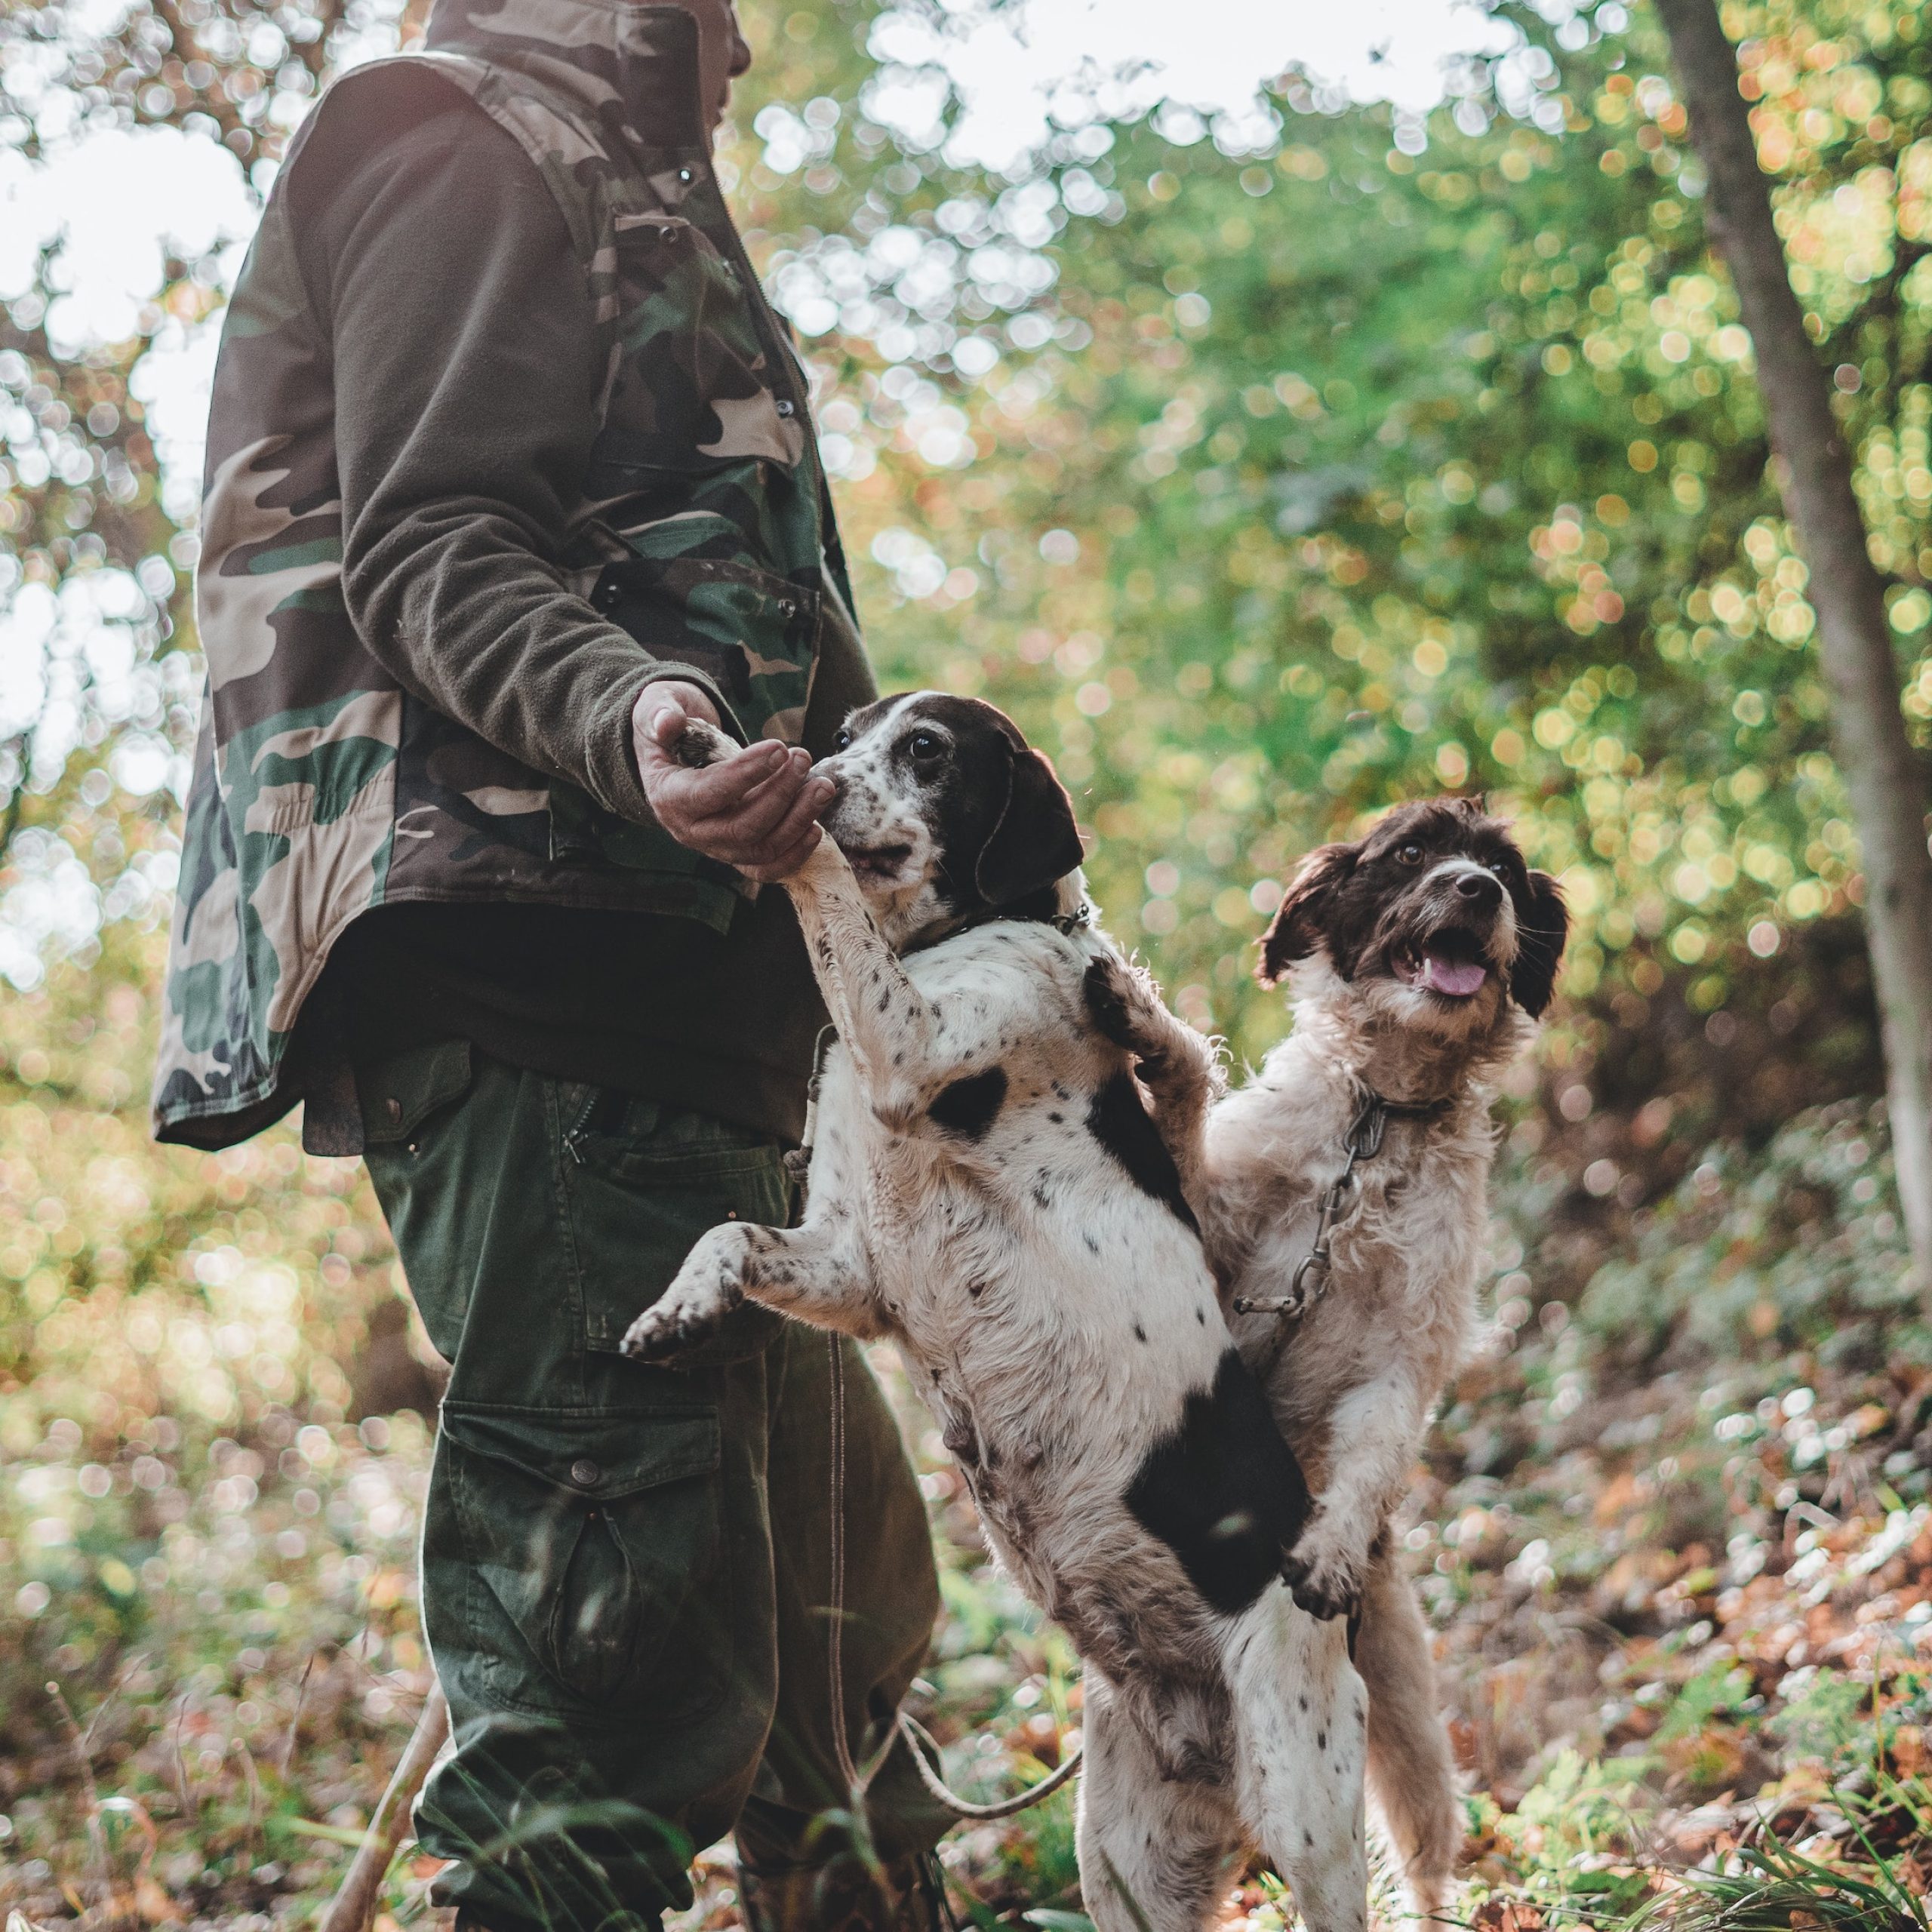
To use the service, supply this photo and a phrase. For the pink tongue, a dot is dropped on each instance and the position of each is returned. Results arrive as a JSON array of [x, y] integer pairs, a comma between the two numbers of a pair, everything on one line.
[[1460, 977]]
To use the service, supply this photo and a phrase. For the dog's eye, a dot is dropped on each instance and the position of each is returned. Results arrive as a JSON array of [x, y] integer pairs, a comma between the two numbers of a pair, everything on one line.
[[1500, 867], [1409, 854], [924, 745], [844, 739]]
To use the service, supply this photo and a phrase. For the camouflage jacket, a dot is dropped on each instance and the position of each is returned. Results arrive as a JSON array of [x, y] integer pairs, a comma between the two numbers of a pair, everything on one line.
[[321, 788]]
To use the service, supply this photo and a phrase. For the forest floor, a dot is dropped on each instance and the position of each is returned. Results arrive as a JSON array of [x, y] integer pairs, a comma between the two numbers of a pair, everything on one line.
[[1675, 1533]]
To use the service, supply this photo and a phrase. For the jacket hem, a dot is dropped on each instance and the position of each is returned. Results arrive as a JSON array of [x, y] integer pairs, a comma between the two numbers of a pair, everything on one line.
[[249, 1110]]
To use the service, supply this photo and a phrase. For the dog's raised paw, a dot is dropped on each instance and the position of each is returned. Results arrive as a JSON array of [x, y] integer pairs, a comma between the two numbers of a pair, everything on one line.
[[1119, 998], [1107, 1000], [1115, 998], [699, 744], [650, 1337], [662, 1333]]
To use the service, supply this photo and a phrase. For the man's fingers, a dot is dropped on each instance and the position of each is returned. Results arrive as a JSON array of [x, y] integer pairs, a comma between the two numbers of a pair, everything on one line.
[[788, 847], [814, 796], [756, 817], [775, 815]]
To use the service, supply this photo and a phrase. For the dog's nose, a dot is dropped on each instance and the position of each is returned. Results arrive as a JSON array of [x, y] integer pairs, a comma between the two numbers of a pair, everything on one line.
[[1480, 888]]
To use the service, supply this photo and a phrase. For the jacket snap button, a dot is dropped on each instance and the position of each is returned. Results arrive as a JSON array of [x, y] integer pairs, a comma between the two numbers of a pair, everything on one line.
[[785, 406], [788, 611], [683, 175], [585, 1473], [392, 1109]]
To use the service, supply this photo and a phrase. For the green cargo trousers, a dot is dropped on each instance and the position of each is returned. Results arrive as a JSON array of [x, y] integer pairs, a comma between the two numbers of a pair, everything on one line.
[[626, 1571]]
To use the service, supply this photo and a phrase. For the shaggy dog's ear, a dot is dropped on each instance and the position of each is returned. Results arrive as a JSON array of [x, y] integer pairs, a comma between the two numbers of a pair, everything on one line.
[[1542, 926], [1035, 841], [1298, 925]]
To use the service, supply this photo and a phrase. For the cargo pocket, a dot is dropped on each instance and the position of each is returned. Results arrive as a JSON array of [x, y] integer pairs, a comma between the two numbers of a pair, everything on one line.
[[643, 1181], [687, 590], [598, 1533], [697, 387]]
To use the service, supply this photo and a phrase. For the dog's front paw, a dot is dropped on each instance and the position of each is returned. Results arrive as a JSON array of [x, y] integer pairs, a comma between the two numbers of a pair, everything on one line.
[[698, 744], [707, 1289], [1325, 1573], [1119, 998]]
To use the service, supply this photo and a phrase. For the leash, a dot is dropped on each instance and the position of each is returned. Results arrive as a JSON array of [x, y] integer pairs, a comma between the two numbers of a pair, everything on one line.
[[918, 1740], [1311, 1279]]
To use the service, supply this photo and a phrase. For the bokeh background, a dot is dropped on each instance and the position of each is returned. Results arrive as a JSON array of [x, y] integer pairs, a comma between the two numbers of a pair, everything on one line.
[[1282, 415]]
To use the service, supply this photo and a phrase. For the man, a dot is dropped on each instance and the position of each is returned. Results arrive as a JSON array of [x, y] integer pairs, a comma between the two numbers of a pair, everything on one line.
[[509, 471]]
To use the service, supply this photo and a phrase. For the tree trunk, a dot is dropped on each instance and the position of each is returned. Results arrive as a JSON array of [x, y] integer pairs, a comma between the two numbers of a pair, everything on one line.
[[1883, 775]]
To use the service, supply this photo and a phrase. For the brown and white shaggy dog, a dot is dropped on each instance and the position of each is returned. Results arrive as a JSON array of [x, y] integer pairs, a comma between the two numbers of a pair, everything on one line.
[[1420, 957]]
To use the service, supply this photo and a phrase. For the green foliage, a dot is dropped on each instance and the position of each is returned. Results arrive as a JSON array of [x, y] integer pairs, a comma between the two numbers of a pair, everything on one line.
[[1267, 484], [1718, 1690], [1797, 1245]]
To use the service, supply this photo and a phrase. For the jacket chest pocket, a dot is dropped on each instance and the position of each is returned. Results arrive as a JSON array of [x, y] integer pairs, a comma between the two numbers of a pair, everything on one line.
[[598, 1532], [686, 592], [694, 387]]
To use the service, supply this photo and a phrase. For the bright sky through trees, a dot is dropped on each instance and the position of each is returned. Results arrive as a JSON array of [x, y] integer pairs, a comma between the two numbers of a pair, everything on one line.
[[116, 199]]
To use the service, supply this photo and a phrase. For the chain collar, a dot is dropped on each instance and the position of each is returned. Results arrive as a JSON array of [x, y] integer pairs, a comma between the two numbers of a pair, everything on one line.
[[1362, 1142]]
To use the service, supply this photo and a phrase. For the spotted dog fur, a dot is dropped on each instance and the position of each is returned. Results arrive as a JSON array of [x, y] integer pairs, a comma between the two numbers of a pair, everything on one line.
[[1419, 957], [989, 1190]]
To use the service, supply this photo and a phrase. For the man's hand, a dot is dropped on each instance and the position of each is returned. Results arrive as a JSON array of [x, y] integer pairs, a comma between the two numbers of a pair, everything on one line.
[[757, 810]]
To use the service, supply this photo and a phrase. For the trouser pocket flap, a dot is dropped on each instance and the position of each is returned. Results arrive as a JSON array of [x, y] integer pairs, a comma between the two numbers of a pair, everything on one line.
[[597, 1533], [606, 1454], [399, 1093]]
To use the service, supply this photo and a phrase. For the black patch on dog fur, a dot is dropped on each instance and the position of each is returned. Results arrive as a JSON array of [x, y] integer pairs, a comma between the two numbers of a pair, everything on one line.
[[1118, 1120], [1224, 1491], [970, 1106]]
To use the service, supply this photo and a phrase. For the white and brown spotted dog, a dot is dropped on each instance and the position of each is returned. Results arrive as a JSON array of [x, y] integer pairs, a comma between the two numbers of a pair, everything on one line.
[[988, 1190], [1419, 958]]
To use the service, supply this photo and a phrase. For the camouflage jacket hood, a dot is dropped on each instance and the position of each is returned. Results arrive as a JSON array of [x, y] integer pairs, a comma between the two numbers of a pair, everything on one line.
[[321, 789]]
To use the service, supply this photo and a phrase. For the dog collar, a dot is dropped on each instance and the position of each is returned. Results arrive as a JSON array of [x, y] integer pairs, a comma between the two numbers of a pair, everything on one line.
[[1363, 1141], [1066, 923]]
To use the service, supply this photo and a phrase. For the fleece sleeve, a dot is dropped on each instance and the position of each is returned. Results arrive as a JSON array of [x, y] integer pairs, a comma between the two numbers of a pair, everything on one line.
[[467, 368]]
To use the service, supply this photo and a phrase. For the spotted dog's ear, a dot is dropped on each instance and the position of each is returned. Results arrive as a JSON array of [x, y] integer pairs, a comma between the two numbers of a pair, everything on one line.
[[1298, 927], [1035, 841], [1542, 926]]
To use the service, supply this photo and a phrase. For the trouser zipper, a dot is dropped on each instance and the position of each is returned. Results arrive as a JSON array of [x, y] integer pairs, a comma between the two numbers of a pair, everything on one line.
[[574, 1134]]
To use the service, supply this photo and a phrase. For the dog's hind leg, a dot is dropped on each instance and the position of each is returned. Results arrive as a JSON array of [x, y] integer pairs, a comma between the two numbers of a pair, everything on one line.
[[816, 1273], [1301, 1719], [1411, 1775], [1154, 1852]]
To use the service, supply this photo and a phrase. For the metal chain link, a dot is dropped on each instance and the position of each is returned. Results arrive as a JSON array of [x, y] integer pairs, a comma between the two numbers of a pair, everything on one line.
[[1310, 1281]]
